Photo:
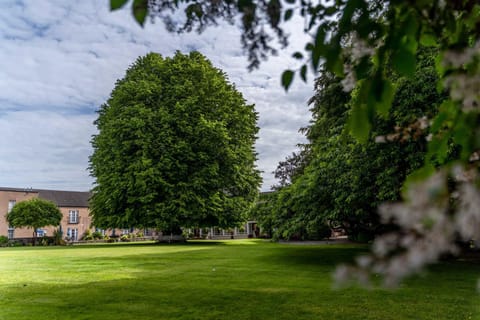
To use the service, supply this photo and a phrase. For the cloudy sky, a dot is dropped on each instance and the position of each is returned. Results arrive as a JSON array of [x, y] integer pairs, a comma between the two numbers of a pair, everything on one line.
[[59, 60]]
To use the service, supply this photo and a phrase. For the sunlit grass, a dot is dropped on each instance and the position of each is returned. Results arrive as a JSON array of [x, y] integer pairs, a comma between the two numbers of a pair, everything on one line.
[[247, 279]]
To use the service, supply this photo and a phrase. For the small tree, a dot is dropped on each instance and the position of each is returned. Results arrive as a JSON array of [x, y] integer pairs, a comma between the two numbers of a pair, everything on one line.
[[34, 213]]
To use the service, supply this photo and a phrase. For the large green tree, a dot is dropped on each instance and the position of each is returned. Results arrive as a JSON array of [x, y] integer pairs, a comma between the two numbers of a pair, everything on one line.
[[342, 181], [175, 148], [34, 213]]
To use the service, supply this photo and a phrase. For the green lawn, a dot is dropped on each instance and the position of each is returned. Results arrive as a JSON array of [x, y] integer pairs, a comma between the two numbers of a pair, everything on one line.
[[224, 280]]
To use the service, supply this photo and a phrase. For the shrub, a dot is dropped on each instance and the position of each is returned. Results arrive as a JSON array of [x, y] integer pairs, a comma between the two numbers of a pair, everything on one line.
[[97, 235], [318, 231], [125, 238], [3, 241], [87, 235], [57, 238], [14, 243]]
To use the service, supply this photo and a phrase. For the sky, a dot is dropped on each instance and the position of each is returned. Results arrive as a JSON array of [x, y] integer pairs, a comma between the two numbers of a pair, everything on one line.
[[59, 60]]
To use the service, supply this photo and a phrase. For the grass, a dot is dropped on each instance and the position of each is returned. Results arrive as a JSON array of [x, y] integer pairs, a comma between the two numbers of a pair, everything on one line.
[[217, 280]]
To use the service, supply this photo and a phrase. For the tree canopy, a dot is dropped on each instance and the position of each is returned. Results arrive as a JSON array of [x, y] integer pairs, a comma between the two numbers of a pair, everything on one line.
[[175, 148], [34, 213], [336, 179]]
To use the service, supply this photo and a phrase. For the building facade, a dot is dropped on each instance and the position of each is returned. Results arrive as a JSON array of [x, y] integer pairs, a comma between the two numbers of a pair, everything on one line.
[[76, 220], [73, 205]]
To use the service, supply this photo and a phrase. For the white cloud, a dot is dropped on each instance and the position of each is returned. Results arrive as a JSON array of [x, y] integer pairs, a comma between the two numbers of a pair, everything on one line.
[[60, 61]]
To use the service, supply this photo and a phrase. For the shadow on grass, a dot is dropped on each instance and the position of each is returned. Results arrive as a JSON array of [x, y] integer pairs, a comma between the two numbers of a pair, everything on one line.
[[230, 282], [209, 295], [316, 255]]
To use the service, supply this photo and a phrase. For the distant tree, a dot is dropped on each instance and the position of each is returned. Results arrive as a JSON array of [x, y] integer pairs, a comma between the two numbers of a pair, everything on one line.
[[175, 148], [292, 167], [345, 181], [34, 213], [262, 212]]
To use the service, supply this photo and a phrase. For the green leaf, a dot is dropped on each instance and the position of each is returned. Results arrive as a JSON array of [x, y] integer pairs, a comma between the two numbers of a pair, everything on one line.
[[117, 4], [330, 11], [140, 11], [386, 98], [303, 73], [309, 47], [428, 40], [297, 55], [359, 124], [363, 68], [416, 176], [288, 15], [287, 78], [403, 61], [438, 148]]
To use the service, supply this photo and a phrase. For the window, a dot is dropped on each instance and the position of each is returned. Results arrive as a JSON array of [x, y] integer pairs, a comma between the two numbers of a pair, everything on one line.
[[73, 216], [41, 233], [72, 234], [11, 230], [11, 203]]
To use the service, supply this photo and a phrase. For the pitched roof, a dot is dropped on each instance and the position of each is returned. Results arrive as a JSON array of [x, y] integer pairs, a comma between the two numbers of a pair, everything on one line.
[[60, 198], [66, 198]]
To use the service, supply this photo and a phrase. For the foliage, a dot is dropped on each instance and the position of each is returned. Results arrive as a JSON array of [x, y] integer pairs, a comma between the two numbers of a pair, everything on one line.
[[57, 238], [175, 148], [97, 235], [34, 213], [343, 182], [362, 41], [3, 241], [87, 235], [262, 212], [292, 167]]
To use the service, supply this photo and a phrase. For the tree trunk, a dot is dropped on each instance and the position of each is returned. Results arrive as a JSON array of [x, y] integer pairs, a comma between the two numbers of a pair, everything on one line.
[[34, 236]]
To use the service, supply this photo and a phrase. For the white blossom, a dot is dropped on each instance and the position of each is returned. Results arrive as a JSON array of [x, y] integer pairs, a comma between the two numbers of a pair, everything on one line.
[[427, 228], [467, 218], [463, 87], [359, 49]]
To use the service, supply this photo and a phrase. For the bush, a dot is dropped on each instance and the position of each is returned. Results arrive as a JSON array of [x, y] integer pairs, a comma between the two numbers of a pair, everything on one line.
[[87, 235], [97, 235], [3, 241], [362, 237], [14, 243], [125, 238], [57, 238], [318, 231]]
